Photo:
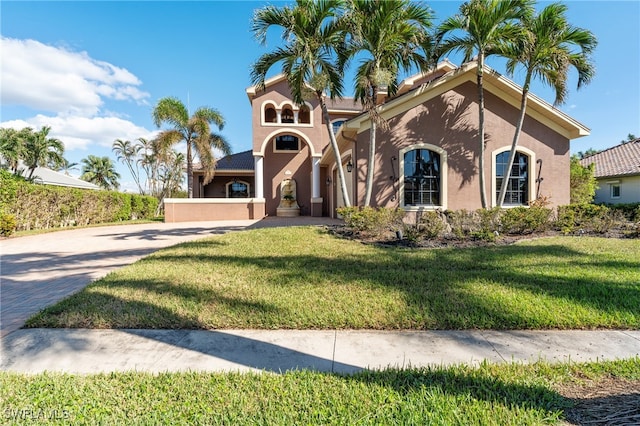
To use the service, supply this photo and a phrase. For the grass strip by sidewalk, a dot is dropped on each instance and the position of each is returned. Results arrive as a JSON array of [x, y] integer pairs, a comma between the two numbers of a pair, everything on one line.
[[490, 394], [305, 278]]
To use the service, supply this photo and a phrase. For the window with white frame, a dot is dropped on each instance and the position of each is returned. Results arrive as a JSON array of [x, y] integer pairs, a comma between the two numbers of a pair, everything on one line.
[[615, 190], [422, 178], [518, 186]]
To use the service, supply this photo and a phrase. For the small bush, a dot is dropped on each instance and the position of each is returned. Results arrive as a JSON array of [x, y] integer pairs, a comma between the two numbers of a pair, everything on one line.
[[586, 218], [7, 224], [371, 221], [525, 220], [462, 222]]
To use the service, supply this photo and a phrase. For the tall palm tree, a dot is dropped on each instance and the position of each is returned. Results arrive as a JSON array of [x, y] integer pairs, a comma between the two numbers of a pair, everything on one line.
[[313, 40], [549, 48], [42, 151], [100, 171], [487, 26], [388, 36], [195, 131], [127, 153]]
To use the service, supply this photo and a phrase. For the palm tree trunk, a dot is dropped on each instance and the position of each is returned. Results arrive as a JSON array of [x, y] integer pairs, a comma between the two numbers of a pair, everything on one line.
[[336, 151], [371, 163], [483, 193], [189, 170], [514, 144]]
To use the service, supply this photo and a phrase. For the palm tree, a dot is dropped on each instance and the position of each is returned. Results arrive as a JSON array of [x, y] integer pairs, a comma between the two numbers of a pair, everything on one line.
[[392, 35], [195, 130], [66, 166], [549, 48], [488, 25], [12, 147], [313, 40], [127, 153], [100, 171], [42, 151]]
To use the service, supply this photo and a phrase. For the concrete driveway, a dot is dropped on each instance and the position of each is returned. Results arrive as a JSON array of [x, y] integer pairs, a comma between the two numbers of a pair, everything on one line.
[[39, 270]]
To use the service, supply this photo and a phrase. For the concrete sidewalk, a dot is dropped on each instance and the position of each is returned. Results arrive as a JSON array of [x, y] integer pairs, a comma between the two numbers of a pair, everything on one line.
[[94, 351]]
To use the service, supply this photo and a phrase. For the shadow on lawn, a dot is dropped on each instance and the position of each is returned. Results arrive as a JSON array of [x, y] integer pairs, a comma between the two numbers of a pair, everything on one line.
[[441, 283]]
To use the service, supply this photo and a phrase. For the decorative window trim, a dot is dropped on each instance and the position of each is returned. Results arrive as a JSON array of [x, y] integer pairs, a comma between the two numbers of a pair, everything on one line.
[[228, 186], [279, 108], [444, 168], [531, 172]]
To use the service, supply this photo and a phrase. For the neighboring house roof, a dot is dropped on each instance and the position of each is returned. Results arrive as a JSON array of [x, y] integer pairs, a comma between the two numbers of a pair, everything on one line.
[[620, 160], [241, 161], [49, 177]]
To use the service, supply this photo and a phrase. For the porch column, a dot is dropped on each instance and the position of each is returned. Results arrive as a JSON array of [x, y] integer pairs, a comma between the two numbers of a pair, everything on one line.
[[316, 200], [258, 160]]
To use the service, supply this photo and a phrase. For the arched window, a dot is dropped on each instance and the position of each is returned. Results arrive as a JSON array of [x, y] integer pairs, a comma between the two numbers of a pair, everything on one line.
[[287, 143], [270, 115], [287, 115], [237, 189], [518, 189], [422, 178], [304, 115]]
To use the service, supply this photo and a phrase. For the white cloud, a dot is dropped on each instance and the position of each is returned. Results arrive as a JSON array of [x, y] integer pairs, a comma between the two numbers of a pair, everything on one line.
[[71, 88], [58, 80], [81, 132]]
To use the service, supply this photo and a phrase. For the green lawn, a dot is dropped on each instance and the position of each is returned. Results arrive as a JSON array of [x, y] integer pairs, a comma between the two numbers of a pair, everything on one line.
[[513, 394], [305, 278]]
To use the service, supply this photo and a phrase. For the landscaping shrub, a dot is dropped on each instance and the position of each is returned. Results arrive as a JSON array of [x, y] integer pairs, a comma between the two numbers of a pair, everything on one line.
[[525, 220], [43, 206], [427, 224], [631, 211], [586, 218], [462, 222], [7, 224], [372, 221]]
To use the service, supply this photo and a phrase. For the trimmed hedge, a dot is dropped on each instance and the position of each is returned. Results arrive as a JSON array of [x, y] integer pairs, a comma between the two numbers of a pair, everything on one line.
[[43, 207]]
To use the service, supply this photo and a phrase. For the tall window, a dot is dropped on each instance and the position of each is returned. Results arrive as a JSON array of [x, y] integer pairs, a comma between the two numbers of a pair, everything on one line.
[[518, 189], [422, 178]]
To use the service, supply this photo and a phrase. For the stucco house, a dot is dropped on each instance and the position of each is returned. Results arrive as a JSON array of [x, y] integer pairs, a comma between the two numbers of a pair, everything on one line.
[[427, 159], [617, 171]]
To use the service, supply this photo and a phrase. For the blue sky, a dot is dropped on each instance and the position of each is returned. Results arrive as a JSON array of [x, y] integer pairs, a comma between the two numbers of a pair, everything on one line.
[[93, 70]]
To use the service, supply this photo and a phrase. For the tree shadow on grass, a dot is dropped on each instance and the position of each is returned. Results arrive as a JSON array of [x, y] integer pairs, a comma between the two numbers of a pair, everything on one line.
[[442, 282]]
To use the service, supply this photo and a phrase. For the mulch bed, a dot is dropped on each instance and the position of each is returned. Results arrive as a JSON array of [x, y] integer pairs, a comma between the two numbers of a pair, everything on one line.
[[607, 401]]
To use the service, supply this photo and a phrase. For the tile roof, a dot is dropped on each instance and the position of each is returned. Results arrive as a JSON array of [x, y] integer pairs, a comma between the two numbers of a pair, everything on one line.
[[347, 104], [239, 161], [620, 160]]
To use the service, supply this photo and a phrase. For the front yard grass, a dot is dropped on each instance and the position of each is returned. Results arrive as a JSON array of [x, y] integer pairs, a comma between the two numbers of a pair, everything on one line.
[[490, 394], [306, 278]]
